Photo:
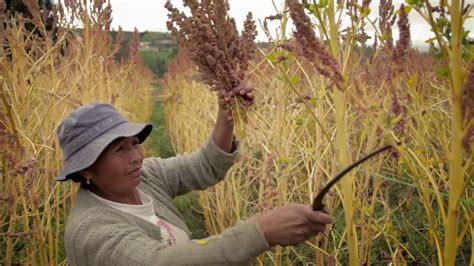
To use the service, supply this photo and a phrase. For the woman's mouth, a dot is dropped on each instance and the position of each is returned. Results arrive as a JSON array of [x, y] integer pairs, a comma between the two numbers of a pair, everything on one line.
[[135, 173]]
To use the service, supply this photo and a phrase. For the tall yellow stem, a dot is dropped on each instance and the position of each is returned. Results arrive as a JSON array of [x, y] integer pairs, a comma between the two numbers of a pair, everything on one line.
[[342, 144], [456, 177]]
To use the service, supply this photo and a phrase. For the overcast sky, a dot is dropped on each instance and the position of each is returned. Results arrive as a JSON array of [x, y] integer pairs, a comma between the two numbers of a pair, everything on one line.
[[151, 15]]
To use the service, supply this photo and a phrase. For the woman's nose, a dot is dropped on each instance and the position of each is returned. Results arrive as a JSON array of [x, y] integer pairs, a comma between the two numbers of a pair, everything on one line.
[[136, 154]]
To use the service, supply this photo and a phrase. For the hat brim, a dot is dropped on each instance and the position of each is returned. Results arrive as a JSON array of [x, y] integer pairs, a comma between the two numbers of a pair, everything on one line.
[[88, 154]]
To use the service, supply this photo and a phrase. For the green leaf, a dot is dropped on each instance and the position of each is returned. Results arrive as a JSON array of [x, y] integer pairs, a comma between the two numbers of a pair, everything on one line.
[[312, 7], [465, 37], [299, 120], [436, 52], [415, 3], [412, 81], [442, 71], [395, 119], [430, 40], [386, 120], [283, 160], [434, 49], [466, 55], [407, 9], [365, 12], [294, 80], [438, 55], [291, 56], [272, 57], [442, 22], [257, 155], [323, 3]]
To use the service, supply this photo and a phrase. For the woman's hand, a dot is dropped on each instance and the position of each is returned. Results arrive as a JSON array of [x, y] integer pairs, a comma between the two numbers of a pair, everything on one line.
[[292, 224], [226, 98], [224, 128]]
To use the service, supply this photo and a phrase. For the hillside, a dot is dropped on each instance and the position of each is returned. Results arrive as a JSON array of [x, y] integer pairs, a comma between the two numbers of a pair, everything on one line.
[[156, 48]]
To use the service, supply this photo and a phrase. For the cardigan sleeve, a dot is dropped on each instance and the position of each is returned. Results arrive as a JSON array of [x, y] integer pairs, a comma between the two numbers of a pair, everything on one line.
[[107, 239], [196, 171]]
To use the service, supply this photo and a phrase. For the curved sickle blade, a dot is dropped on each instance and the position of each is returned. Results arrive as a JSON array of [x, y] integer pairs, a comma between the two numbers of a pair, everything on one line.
[[318, 200]]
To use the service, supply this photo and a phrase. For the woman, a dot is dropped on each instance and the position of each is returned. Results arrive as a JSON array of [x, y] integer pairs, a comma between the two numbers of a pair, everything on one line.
[[124, 212]]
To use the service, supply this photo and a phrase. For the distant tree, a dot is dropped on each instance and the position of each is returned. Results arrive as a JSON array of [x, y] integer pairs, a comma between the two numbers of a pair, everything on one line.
[[123, 51], [143, 33], [17, 6]]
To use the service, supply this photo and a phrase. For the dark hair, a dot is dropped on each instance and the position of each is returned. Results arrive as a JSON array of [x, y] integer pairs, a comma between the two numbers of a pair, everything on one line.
[[78, 178]]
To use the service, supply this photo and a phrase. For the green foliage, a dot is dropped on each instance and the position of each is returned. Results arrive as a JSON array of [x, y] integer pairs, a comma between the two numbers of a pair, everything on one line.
[[161, 146], [157, 61], [160, 141], [191, 210], [148, 36], [165, 48]]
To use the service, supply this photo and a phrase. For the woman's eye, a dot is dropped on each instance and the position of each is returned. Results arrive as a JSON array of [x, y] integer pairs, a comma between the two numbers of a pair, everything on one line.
[[119, 149]]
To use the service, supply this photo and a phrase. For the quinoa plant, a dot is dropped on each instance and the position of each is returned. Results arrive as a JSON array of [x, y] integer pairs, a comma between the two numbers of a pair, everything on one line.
[[214, 45], [45, 74]]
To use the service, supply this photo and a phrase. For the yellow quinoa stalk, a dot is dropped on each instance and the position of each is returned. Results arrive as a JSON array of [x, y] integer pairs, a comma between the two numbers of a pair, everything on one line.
[[456, 175], [252, 182], [461, 119], [313, 49], [286, 157], [342, 145]]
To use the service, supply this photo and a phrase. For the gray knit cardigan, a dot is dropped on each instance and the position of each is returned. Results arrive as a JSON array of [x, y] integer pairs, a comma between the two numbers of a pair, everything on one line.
[[97, 234]]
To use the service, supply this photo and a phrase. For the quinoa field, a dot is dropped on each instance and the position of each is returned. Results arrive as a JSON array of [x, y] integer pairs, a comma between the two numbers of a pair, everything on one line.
[[326, 94]]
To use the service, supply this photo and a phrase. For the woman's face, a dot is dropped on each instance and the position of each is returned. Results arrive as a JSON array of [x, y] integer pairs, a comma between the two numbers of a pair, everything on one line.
[[117, 170]]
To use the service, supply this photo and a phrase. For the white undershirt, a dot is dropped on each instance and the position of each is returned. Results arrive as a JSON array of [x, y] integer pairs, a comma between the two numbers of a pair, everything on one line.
[[171, 234]]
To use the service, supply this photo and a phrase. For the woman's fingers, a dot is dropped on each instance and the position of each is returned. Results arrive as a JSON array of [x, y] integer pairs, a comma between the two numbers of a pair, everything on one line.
[[317, 228], [243, 89], [316, 221], [319, 217], [249, 95], [292, 224]]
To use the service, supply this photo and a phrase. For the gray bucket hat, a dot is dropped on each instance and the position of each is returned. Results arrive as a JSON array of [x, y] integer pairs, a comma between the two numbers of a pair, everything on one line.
[[88, 130]]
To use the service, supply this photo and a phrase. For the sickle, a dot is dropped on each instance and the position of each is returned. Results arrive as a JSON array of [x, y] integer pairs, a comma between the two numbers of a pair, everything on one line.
[[318, 204]]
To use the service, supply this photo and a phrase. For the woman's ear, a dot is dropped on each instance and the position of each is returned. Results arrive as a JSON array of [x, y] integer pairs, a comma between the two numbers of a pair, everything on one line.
[[86, 173]]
